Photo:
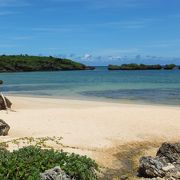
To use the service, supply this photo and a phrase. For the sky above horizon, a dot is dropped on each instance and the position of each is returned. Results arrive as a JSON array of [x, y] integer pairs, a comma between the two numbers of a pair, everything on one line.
[[95, 32]]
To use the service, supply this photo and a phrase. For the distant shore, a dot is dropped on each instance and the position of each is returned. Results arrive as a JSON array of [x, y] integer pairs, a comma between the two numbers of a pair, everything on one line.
[[26, 63]]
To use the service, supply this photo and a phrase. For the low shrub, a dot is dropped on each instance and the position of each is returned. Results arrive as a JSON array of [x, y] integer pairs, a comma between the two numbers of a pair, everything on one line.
[[27, 163]]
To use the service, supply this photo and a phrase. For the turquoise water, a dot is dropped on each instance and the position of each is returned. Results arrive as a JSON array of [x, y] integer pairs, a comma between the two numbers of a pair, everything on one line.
[[161, 87]]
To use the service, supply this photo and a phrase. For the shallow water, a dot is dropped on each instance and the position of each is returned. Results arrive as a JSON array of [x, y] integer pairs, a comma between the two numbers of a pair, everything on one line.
[[160, 87]]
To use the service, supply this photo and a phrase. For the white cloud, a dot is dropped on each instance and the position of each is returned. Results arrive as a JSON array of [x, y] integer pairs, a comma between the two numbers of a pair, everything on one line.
[[163, 44], [117, 51], [14, 3], [22, 37], [7, 45], [3, 13], [87, 56], [101, 4], [67, 28], [131, 23], [118, 3], [6, 13]]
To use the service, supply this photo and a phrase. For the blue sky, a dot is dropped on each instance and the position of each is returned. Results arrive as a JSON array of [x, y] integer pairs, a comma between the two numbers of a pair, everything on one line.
[[93, 31]]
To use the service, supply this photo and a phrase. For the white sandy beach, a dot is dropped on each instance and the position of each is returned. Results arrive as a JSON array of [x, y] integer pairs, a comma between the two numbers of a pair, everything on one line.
[[91, 125]]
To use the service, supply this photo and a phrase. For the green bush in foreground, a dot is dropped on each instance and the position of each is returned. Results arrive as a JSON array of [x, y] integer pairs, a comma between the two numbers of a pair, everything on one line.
[[27, 164]]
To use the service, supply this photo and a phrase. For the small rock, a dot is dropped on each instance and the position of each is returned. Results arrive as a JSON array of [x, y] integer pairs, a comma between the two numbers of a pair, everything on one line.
[[176, 175], [54, 174], [124, 177], [2, 104], [152, 167], [168, 167], [4, 128]]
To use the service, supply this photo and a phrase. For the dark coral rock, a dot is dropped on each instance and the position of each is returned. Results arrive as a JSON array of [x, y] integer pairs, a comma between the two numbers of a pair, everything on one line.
[[4, 128], [2, 103], [170, 151]]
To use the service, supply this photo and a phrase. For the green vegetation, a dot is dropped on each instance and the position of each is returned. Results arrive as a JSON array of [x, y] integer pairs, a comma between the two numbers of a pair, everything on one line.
[[114, 67], [27, 163], [20, 63], [142, 67], [169, 66], [135, 67]]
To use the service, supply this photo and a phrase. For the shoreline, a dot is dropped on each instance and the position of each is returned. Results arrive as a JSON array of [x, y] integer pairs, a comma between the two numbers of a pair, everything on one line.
[[93, 99]]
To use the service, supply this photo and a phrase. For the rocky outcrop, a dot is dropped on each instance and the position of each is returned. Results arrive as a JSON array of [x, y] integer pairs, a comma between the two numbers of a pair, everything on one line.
[[165, 165], [54, 174], [4, 128], [135, 67], [3, 105], [170, 151], [142, 67]]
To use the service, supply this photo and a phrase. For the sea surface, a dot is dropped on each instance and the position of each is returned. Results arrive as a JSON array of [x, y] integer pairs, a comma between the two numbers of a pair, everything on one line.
[[152, 86]]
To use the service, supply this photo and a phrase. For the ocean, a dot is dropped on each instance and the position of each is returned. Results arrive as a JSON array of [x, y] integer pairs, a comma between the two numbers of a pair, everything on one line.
[[152, 87]]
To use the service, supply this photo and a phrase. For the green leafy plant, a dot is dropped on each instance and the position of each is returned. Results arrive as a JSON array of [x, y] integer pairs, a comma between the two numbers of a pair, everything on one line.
[[27, 163]]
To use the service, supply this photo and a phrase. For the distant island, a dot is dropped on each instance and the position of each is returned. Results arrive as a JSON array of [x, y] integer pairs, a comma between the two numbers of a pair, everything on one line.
[[141, 67], [26, 63]]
